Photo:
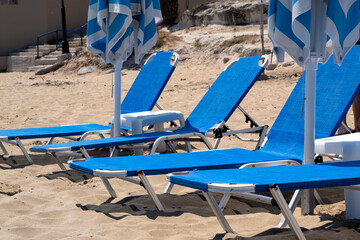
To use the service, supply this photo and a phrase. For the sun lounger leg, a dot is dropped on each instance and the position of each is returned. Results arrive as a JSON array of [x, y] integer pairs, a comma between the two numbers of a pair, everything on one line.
[[262, 137], [188, 147], [292, 205], [169, 187], [217, 143], [21, 146], [84, 152], [150, 190], [171, 146], [50, 141], [3, 149], [218, 213], [59, 162], [112, 151], [224, 200], [109, 188], [318, 197], [294, 226]]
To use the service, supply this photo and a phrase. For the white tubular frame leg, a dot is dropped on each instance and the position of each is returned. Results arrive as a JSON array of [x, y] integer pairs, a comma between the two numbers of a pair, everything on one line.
[[3, 148], [84, 152], [217, 143], [108, 186], [224, 200], [257, 197], [218, 212], [262, 137], [294, 226], [21, 146], [146, 184], [59, 162], [50, 141], [292, 205], [169, 187]]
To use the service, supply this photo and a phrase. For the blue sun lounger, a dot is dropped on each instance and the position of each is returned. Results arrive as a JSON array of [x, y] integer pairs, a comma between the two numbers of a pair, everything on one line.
[[336, 90], [274, 180], [142, 96], [215, 108]]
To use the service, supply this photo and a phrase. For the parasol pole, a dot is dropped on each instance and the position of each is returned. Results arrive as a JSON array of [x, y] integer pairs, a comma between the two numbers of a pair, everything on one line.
[[317, 53], [261, 3], [117, 99]]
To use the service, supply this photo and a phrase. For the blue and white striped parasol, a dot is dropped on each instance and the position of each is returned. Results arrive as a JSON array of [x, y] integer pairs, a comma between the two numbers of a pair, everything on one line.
[[116, 28], [310, 31]]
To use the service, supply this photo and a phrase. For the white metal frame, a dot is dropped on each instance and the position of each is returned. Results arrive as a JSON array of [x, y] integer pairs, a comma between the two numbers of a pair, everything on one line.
[[245, 188], [122, 174], [19, 143]]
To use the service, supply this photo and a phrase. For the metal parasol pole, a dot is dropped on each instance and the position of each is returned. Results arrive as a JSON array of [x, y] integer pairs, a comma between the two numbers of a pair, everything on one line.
[[261, 3], [317, 52], [65, 43]]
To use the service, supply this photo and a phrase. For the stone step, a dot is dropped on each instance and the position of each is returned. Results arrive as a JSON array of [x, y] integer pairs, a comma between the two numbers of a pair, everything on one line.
[[51, 55], [47, 61], [20, 63], [71, 49], [42, 48], [26, 60], [23, 54]]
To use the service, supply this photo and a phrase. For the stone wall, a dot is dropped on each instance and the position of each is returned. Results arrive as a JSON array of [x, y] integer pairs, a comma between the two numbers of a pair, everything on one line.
[[22, 23], [228, 12]]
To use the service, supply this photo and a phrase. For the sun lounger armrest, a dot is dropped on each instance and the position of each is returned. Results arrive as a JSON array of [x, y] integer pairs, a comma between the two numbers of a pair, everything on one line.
[[271, 164], [175, 174], [225, 187], [99, 133], [175, 58], [110, 173], [264, 64]]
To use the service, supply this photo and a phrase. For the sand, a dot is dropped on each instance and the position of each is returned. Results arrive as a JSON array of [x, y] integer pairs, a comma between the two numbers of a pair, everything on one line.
[[40, 201]]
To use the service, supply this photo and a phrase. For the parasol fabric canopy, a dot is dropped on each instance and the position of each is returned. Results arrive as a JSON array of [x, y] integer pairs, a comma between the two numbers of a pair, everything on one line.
[[334, 28], [116, 29], [310, 31]]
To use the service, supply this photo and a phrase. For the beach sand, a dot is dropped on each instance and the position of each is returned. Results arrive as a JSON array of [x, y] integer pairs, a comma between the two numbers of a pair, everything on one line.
[[40, 201]]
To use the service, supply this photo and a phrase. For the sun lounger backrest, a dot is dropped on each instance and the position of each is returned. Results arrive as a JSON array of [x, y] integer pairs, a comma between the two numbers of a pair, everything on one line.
[[225, 94], [336, 89], [148, 85]]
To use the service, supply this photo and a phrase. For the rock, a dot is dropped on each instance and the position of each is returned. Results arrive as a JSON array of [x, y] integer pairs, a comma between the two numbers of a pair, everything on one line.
[[50, 68], [9, 189], [227, 12], [85, 70]]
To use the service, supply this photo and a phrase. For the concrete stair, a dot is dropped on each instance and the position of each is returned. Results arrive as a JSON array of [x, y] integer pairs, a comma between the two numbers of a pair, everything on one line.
[[25, 60]]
